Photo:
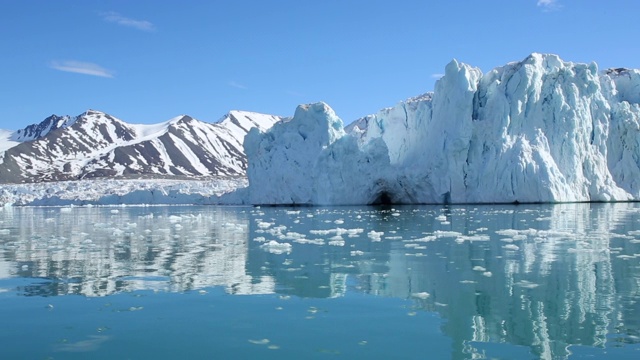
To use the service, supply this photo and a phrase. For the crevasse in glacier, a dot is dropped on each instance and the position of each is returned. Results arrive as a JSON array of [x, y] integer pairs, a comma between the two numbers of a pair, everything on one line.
[[539, 130]]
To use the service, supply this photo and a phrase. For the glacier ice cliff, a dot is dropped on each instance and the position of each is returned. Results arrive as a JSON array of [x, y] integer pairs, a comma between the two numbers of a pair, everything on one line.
[[538, 130]]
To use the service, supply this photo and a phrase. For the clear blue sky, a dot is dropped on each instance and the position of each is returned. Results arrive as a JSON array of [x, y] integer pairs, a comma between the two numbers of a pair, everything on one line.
[[147, 61]]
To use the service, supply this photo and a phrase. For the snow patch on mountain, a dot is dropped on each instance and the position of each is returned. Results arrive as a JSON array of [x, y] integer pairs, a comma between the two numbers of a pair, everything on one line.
[[538, 130]]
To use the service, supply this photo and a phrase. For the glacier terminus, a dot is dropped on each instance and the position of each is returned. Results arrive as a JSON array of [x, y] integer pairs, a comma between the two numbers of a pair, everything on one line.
[[541, 130]]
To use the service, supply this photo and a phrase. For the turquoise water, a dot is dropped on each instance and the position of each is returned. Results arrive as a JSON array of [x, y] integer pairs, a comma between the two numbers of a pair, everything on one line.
[[456, 282]]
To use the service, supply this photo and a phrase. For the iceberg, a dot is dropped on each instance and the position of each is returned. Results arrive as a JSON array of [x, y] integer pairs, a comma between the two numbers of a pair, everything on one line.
[[538, 130]]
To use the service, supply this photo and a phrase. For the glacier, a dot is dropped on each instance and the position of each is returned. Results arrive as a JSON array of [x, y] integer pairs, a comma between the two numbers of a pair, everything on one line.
[[541, 130]]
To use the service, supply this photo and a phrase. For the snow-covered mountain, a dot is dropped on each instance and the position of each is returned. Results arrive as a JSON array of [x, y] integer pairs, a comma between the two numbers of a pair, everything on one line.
[[538, 130], [97, 145]]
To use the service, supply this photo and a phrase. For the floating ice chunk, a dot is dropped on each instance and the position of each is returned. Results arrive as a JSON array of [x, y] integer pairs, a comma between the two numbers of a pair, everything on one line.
[[445, 234], [441, 218], [320, 232], [511, 247], [421, 295], [275, 247], [526, 284], [291, 235], [264, 224], [339, 222], [375, 235], [260, 342], [5, 231], [357, 253], [507, 232], [115, 211], [259, 239], [65, 210], [309, 241], [425, 239], [479, 268]]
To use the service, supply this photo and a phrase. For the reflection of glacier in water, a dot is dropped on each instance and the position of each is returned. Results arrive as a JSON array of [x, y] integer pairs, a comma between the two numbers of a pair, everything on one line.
[[544, 277]]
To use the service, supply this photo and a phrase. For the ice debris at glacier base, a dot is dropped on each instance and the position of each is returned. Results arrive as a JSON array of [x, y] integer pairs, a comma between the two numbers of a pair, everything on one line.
[[539, 130]]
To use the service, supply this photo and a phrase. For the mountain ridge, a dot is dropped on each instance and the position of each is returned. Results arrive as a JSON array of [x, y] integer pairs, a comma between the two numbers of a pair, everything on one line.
[[95, 144]]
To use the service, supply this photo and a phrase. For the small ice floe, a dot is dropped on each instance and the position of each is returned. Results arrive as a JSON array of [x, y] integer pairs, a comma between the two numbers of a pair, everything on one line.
[[425, 239], [277, 248], [357, 253], [339, 222], [421, 295], [627, 257], [526, 284], [375, 235], [260, 341], [479, 268], [511, 247], [5, 231], [441, 218], [487, 274], [264, 224], [309, 241], [336, 241], [115, 211], [447, 234], [65, 210], [354, 232]]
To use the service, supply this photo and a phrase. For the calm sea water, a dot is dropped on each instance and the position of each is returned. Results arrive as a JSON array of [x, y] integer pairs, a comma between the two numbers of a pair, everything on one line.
[[456, 282]]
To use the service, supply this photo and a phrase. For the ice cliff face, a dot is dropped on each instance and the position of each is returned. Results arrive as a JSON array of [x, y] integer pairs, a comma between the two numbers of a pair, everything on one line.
[[539, 130]]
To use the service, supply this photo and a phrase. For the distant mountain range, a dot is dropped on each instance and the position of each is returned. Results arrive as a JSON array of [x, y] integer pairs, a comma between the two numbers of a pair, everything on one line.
[[98, 145]]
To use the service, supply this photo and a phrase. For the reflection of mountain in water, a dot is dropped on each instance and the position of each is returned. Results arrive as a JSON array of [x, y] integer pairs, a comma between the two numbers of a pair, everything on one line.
[[98, 251], [544, 277]]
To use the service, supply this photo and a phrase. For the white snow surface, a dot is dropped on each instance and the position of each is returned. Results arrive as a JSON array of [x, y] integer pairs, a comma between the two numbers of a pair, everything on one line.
[[538, 130], [6, 140]]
